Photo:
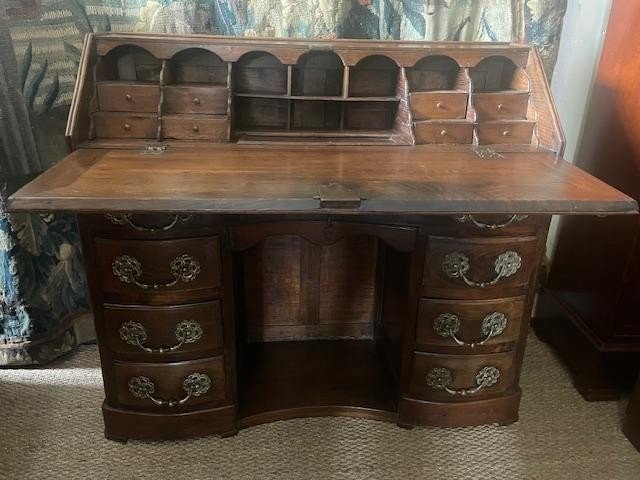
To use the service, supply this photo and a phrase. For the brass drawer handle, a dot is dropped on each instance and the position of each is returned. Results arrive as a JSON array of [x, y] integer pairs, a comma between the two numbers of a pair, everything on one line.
[[515, 218], [195, 385], [439, 378], [184, 268], [456, 265], [134, 333], [447, 325], [126, 219]]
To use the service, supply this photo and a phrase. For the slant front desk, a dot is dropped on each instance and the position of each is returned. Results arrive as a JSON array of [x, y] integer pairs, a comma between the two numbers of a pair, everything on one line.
[[285, 228]]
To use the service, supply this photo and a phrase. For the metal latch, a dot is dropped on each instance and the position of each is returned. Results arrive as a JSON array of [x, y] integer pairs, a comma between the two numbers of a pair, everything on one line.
[[154, 149], [336, 195]]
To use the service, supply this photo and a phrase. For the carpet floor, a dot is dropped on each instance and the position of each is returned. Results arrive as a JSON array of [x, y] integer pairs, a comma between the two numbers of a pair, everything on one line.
[[51, 428]]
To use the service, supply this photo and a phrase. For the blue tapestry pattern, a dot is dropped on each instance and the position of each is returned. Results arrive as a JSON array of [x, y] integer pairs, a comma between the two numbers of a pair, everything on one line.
[[43, 291]]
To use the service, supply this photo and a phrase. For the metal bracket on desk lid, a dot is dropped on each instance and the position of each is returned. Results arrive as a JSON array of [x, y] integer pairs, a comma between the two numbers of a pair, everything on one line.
[[336, 195]]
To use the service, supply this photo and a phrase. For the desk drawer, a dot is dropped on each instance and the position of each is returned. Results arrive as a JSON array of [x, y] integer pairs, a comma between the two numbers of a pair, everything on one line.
[[511, 132], [501, 106], [469, 326], [443, 132], [196, 99], [159, 271], [128, 97], [125, 125], [459, 378], [191, 383], [155, 334], [438, 105], [153, 225], [196, 127], [459, 267]]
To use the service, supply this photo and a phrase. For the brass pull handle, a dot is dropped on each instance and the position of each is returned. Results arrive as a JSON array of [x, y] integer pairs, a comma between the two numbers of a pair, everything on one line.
[[447, 325], [439, 378], [127, 127], [183, 268], [196, 101], [195, 128], [134, 333], [456, 265], [126, 219], [194, 385], [515, 218], [128, 97]]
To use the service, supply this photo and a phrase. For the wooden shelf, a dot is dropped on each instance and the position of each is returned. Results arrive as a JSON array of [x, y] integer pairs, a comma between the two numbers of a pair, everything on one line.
[[318, 98], [315, 374], [317, 133]]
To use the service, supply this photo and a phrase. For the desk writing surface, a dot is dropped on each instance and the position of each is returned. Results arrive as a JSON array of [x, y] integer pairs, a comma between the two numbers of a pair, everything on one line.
[[250, 179]]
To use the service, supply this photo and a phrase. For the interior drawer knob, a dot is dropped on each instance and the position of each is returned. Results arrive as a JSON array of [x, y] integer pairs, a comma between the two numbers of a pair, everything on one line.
[[443, 132], [457, 265], [506, 133], [447, 325], [134, 333], [194, 385], [183, 268], [440, 378], [195, 128], [439, 105], [500, 106], [127, 127], [128, 97], [196, 101]]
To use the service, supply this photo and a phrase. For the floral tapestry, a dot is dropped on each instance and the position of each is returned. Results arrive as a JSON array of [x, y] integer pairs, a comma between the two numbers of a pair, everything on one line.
[[44, 308]]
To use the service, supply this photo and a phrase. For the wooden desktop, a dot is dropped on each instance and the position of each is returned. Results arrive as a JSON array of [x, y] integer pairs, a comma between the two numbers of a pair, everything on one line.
[[285, 228]]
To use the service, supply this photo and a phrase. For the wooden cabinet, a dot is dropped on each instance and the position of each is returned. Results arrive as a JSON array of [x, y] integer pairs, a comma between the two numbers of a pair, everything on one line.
[[589, 309], [275, 229]]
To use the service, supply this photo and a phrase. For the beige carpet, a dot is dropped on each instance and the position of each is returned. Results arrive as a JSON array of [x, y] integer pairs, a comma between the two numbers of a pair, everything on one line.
[[51, 427]]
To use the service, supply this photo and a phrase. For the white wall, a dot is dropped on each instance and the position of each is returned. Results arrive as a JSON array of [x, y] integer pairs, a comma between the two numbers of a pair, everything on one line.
[[580, 45]]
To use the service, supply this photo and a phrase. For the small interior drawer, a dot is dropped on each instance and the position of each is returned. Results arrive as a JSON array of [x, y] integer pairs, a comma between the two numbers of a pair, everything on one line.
[[459, 378], [160, 334], [517, 132], [438, 105], [195, 127], [501, 106], [159, 272], [442, 132], [196, 99], [138, 383], [469, 325], [459, 267], [128, 97], [125, 125]]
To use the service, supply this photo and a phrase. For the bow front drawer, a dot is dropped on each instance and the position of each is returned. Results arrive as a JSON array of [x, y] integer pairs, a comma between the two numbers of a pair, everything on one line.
[[479, 267], [170, 386], [152, 334], [469, 326], [159, 272], [457, 378]]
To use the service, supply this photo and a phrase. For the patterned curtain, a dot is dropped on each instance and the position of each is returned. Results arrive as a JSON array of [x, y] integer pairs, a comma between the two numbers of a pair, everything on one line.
[[43, 295]]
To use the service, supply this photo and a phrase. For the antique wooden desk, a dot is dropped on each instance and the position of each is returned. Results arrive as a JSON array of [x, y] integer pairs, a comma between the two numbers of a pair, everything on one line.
[[275, 229]]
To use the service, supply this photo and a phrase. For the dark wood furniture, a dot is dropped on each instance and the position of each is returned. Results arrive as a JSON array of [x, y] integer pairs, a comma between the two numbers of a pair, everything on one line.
[[275, 229], [589, 310], [631, 427]]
